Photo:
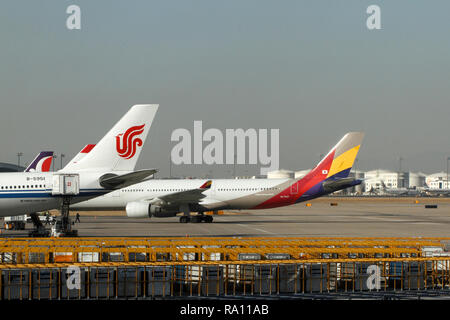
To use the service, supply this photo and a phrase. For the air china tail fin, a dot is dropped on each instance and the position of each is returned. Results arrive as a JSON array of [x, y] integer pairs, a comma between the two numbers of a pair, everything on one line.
[[120, 148], [339, 161], [80, 155], [41, 163]]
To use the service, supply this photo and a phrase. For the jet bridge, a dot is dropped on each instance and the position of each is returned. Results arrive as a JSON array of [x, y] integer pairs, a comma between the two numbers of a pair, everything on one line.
[[65, 185]]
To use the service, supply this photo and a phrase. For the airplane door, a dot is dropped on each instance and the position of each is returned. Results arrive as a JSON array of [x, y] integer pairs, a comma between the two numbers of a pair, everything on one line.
[[294, 188]]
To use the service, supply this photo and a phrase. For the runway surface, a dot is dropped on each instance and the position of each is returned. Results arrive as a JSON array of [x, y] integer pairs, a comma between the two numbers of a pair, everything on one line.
[[350, 218]]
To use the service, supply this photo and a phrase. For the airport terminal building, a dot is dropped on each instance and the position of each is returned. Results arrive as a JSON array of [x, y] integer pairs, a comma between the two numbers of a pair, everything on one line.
[[8, 167]]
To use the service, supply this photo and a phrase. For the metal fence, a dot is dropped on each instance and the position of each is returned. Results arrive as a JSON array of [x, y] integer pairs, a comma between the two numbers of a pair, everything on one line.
[[86, 250], [143, 280]]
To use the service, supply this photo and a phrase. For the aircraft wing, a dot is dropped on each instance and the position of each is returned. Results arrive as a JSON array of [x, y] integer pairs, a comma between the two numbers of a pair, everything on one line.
[[187, 196], [112, 181]]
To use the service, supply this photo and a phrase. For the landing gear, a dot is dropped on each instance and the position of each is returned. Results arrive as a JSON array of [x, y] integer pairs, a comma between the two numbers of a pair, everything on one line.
[[63, 225], [185, 219], [39, 230], [186, 213], [196, 219]]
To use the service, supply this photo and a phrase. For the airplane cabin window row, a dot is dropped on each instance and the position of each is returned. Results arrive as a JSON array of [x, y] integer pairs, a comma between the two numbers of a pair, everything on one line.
[[22, 187], [233, 189], [248, 189]]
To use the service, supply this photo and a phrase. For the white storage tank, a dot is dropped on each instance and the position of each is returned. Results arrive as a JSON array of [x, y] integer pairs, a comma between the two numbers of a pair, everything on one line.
[[280, 174], [359, 175], [416, 180]]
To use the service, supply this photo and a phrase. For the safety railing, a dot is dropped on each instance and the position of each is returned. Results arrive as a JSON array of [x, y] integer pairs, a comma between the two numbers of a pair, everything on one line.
[[144, 280]]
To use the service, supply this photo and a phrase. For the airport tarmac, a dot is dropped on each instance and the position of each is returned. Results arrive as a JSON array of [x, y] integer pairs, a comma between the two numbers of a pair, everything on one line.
[[361, 217]]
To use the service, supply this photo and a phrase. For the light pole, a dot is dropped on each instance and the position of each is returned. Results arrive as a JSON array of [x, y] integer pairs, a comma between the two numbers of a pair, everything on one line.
[[234, 166], [448, 158], [62, 156], [170, 165], [399, 172], [55, 156], [19, 154]]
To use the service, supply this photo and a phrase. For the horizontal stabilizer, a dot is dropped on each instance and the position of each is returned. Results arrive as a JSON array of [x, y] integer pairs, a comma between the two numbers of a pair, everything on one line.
[[112, 181], [330, 186]]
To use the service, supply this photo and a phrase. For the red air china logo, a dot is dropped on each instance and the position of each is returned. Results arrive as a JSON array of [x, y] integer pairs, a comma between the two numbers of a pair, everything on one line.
[[127, 143]]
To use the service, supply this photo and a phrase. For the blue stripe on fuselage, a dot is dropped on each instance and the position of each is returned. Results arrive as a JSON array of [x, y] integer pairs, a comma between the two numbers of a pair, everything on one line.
[[40, 194]]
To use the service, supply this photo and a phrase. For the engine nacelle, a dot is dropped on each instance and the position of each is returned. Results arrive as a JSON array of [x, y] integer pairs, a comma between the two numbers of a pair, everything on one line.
[[140, 209]]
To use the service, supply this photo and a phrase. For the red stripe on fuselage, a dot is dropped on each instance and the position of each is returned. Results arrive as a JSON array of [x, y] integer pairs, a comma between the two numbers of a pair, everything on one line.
[[289, 195]]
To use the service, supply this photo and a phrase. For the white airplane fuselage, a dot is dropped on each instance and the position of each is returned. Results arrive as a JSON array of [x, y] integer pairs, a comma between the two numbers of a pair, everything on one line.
[[27, 192], [163, 198], [111, 162], [223, 194]]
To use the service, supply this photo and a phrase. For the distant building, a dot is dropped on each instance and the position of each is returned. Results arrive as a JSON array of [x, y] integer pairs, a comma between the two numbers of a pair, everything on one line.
[[437, 181], [391, 179], [8, 167]]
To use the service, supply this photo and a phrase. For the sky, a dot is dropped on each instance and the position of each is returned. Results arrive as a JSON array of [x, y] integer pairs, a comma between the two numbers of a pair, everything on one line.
[[311, 69]]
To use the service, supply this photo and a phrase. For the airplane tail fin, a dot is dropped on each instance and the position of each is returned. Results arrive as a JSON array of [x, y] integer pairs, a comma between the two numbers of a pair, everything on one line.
[[41, 163], [339, 161], [120, 148], [80, 155]]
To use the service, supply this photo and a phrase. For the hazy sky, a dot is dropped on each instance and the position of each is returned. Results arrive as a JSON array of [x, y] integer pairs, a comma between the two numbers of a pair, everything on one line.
[[310, 68]]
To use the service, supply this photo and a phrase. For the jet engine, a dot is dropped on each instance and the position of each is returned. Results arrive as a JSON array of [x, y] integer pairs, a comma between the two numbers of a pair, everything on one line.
[[141, 209]]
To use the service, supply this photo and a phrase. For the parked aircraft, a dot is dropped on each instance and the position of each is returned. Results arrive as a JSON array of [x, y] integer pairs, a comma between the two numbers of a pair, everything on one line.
[[166, 198], [400, 191], [437, 192], [107, 167]]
